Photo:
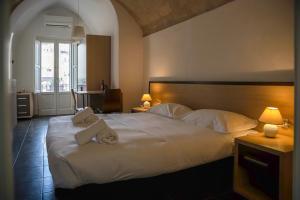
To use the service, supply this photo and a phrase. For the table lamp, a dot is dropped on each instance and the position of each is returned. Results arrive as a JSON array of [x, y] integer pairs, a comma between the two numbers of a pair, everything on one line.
[[146, 98], [271, 117]]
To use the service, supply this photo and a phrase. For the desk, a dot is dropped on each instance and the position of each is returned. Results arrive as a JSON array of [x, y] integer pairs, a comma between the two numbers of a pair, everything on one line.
[[87, 94]]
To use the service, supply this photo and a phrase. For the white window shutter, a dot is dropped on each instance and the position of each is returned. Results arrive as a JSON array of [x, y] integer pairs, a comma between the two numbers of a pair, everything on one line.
[[37, 68]]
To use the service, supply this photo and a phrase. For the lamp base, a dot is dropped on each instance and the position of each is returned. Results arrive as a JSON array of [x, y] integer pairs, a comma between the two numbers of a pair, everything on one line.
[[146, 104], [270, 130]]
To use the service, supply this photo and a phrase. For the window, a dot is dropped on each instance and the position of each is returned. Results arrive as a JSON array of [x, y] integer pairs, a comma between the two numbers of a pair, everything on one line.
[[55, 66], [74, 75], [64, 66], [37, 69], [47, 67]]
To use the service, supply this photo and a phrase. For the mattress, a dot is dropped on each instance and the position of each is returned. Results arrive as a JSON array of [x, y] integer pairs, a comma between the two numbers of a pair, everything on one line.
[[149, 145]]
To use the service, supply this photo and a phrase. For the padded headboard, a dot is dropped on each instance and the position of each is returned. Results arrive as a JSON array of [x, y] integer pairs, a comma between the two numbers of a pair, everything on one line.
[[248, 98]]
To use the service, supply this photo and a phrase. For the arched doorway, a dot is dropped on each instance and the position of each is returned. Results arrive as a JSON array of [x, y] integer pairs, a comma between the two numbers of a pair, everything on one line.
[[28, 24]]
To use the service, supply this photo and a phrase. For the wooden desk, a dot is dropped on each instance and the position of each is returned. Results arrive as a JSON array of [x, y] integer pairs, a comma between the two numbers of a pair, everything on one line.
[[87, 94], [90, 92]]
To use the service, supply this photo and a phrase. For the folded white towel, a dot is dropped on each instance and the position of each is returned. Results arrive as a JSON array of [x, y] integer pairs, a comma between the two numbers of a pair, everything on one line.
[[90, 119], [85, 136], [106, 134], [82, 115], [103, 133]]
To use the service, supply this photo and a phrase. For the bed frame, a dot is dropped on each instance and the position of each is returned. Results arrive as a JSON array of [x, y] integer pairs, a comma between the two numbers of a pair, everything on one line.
[[248, 98], [208, 180]]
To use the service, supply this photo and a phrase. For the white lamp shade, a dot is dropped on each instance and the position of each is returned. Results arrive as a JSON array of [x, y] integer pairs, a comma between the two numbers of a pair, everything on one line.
[[146, 97], [78, 32], [271, 115]]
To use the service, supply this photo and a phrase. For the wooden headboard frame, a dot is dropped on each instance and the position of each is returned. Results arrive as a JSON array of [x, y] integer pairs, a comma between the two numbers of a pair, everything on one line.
[[248, 98]]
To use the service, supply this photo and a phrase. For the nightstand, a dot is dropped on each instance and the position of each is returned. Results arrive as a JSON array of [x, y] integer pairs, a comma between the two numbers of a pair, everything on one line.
[[24, 105], [139, 109], [263, 167]]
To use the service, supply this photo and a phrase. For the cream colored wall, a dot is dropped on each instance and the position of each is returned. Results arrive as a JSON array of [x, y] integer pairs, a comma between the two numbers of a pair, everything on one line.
[[130, 58], [245, 40], [23, 68]]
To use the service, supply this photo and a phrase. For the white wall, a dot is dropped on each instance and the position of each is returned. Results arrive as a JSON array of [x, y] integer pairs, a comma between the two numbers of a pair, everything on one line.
[[6, 169], [241, 41], [81, 62], [99, 17], [130, 58], [23, 69]]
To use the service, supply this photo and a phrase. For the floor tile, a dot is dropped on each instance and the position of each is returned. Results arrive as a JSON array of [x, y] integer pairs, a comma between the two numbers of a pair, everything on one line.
[[37, 130], [46, 161], [28, 140], [29, 197], [32, 146], [48, 185], [22, 175], [49, 196], [23, 124], [29, 162], [29, 189], [31, 153], [47, 172]]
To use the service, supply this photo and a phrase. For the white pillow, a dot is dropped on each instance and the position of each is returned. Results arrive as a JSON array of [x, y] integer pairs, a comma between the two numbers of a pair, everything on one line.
[[220, 120], [171, 110]]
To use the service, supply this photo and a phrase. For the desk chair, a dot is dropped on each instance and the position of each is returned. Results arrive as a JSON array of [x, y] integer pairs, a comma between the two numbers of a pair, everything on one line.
[[76, 109]]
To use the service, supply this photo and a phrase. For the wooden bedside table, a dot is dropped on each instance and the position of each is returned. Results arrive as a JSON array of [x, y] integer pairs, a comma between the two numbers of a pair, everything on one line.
[[139, 109], [263, 167], [24, 105]]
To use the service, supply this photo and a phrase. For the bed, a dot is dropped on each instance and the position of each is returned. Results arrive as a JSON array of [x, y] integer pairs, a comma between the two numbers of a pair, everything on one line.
[[149, 145], [152, 146]]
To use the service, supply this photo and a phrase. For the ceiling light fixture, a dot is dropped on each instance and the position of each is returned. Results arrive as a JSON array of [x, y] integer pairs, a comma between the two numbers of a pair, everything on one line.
[[78, 32]]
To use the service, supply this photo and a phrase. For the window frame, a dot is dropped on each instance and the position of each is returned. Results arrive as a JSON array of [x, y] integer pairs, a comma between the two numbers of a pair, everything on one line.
[[73, 66]]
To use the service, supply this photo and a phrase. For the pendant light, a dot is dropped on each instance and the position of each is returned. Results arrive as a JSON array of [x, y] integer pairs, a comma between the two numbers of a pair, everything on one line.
[[78, 32]]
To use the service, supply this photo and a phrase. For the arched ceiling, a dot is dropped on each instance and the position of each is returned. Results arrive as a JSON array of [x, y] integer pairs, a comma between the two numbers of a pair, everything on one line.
[[155, 15], [99, 16], [14, 4]]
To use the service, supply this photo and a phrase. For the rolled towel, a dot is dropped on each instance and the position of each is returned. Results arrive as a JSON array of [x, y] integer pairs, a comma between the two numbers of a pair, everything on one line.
[[92, 118], [82, 115], [85, 136], [106, 134]]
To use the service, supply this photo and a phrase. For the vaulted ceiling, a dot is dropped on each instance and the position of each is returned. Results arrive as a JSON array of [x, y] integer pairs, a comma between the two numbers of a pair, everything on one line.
[[155, 15], [14, 4]]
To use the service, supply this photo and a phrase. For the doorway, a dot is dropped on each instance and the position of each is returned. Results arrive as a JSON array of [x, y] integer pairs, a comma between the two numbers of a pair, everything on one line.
[[53, 76]]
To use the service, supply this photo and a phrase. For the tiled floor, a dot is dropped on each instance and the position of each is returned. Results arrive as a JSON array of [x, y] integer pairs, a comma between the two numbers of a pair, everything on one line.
[[33, 179]]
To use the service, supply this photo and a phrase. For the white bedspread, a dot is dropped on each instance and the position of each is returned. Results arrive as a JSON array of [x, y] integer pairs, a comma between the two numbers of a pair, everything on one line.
[[149, 145]]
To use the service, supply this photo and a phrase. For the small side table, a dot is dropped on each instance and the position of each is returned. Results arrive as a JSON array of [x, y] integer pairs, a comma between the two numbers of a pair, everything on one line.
[[139, 109], [263, 167]]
